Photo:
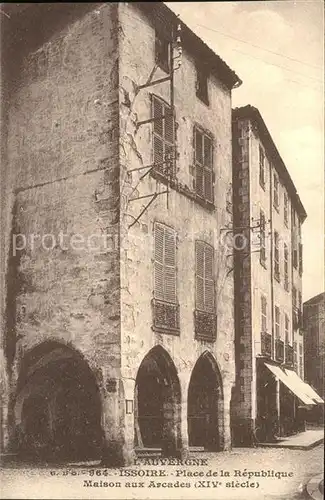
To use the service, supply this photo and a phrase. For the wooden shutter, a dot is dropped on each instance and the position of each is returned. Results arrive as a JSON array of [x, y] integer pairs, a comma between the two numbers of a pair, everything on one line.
[[263, 313], [209, 281], [198, 146], [204, 268], [199, 270], [165, 264], [207, 152], [159, 262], [170, 265]]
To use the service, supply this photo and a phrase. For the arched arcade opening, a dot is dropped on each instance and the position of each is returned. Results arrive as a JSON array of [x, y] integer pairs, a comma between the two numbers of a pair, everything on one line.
[[57, 406], [157, 403], [205, 405]]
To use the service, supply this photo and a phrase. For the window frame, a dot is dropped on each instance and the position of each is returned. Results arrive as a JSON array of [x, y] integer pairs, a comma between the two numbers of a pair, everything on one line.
[[161, 169], [277, 324], [172, 232], [276, 256], [262, 167], [286, 267], [207, 171], [286, 209], [262, 239], [263, 313], [205, 247], [202, 74], [276, 191]]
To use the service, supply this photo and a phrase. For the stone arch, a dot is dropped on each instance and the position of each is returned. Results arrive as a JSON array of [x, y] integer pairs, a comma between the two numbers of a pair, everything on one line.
[[57, 406], [205, 407], [158, 403]]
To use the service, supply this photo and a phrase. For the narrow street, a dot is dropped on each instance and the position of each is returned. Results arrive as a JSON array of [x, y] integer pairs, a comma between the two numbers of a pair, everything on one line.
[[300, 465]]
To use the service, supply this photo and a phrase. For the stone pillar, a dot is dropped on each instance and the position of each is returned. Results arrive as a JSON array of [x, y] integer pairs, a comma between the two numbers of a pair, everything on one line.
[[113, 438], [129, 416], [184, 380], [225, 440]]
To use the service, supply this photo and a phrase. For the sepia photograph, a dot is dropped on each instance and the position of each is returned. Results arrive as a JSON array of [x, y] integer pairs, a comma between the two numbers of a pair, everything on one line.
[[162, 284]]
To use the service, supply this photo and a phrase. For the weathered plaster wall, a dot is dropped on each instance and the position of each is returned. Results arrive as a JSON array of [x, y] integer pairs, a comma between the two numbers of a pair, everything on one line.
[[63, 150], [190, 220]]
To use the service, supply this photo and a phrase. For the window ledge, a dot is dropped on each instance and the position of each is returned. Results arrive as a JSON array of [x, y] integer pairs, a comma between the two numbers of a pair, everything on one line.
[[183, 189]]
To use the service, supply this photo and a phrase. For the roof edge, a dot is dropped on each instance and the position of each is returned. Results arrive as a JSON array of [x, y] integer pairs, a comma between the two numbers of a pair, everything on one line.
[[252, 113]]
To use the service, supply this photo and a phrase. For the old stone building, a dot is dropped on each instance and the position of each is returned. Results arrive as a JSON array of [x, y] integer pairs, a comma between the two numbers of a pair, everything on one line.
[[314, 334], [268, 215], [118, 308]]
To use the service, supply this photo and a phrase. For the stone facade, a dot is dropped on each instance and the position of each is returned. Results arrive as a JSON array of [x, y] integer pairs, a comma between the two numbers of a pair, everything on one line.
[[73, 107], [267, 275], [314, 335]]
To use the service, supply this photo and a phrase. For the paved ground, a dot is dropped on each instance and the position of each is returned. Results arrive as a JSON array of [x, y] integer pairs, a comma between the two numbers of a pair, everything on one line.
[[300, 465], [301, 441]]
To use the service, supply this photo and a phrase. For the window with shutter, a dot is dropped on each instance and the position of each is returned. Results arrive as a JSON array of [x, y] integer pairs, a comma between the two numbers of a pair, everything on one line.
[[163, 138], [286, 267], [262, 239], [263, 313], [275, 191], [204, 290], [300, 258], [203, 161], [262, 167], [276, 256], [165, 308], [285, 209]]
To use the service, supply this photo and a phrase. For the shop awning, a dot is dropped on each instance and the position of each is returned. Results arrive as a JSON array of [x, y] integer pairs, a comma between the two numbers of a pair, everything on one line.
[[307, 388], [294, 383]]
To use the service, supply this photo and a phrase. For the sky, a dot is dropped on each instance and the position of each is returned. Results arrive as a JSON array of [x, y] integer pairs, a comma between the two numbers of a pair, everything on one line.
[[277, 49]]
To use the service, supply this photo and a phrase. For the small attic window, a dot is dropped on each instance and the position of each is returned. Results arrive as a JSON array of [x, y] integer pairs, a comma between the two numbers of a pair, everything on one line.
[[162, 48], [202, 83]]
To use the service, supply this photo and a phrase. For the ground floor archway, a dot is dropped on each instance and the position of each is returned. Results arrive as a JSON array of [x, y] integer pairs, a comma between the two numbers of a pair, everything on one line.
[[205, 405], [57, 406], [157, 403]]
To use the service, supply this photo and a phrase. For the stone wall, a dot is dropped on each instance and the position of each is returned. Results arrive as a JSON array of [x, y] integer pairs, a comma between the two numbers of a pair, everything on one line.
[[62, 152]]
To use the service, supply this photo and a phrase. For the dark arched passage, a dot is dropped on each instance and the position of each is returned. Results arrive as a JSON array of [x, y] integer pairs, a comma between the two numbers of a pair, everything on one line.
[[57, 406], [158, 395], [205, 405]]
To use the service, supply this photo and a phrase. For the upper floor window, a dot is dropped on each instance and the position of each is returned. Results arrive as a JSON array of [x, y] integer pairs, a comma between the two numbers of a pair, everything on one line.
[[204, 271], [287, 329], [162, 52], [294, 297], [275, 191], [204, 315], [276, 256], [300, 259], [300, 301], [277, 322], [285, 208], [202, 91], [163, 137], [263, 313], [165, 309], [262, 167], [286, 267], [165, 263], [203, 162], [262, 239]]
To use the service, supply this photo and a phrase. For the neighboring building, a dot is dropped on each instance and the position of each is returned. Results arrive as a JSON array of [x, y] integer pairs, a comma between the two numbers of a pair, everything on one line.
[[314, 334], [268, 214], [108, 349]]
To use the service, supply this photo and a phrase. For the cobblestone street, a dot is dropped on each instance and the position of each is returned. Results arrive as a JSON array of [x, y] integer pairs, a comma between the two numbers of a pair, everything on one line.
[[301, 465]]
